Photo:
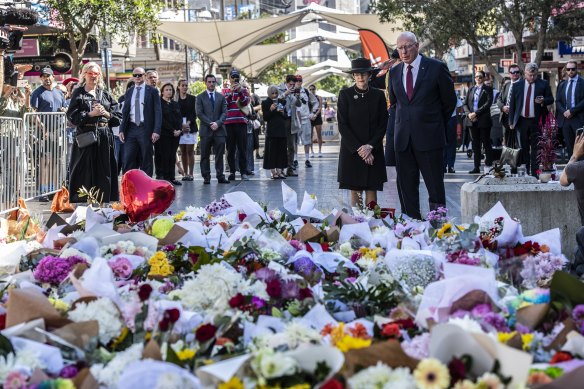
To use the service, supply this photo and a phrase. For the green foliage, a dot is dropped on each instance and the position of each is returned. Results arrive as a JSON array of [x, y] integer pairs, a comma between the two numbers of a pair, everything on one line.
[[333, 84], [276, 73], [197, 87]]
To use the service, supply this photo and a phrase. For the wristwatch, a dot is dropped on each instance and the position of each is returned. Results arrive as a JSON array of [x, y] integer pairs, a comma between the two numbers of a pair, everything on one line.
[[369, 147]]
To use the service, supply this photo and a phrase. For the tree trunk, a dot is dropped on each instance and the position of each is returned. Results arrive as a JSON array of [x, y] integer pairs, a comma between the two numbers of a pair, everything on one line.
[[493, 71], [542, 35], [77, 52], [518, 35]]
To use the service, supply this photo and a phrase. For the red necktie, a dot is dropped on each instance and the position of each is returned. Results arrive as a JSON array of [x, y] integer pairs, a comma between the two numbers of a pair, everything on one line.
[[528, 102], [410, 83]]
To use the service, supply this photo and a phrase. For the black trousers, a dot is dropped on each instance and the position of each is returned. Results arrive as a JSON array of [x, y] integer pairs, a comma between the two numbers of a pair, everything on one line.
[[138, 149], [218, 145], [410, 163], [236, 140], [165, 157], [481, 137], [290, 143], [529, 136], [569, 132]]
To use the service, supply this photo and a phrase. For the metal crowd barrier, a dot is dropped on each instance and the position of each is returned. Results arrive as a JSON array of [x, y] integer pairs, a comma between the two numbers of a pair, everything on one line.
[[34, 161]]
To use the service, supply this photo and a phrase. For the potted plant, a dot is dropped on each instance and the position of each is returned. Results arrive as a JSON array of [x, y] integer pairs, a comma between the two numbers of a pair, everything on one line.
[[547, 145]]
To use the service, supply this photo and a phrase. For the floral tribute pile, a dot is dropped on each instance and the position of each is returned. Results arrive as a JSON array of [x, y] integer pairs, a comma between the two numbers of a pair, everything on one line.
[[233, 295]]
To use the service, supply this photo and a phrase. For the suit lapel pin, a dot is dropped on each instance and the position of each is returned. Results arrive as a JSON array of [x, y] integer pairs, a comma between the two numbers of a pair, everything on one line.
[[355, 97]]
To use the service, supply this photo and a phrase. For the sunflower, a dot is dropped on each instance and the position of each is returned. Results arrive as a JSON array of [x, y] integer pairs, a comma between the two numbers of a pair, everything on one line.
[[431, 374], [445, 231]]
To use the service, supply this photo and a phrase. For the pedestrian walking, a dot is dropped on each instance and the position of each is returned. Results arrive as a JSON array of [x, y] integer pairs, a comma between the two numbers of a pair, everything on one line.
[[423, 92], [93, 110], [274, 112], [188, 139], [362, 118]]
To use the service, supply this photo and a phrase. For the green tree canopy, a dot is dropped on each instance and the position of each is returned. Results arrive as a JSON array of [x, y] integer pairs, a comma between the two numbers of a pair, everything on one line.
[[117, 18], [333, 84]]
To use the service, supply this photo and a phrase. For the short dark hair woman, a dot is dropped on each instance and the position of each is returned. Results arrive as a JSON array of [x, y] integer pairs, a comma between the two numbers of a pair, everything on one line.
[[171, 130], [362, 118], [188, 139]]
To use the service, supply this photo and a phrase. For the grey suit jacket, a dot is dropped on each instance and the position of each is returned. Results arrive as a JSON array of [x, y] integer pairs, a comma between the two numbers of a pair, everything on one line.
[[208, 115]]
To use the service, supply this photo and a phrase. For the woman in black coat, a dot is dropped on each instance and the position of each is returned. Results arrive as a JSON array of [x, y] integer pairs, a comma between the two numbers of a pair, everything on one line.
[[93, 109], [275, 151], [171, 130], [362, 118]]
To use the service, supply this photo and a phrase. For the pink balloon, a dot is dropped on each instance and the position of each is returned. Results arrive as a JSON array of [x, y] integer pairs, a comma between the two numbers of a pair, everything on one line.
[[143, 196]]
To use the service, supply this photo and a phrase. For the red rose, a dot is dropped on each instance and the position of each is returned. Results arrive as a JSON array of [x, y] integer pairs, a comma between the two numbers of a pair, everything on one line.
[[274, 288], [391, 330], [309, 248], [305, 293], [172, 315], [405, 324], [457, 370], [205, 332], [164, 325], [237, 301], [144, 292], [372, 204], [561, 356], [333, 383], [2, 321], [325, 246], [242, 217]]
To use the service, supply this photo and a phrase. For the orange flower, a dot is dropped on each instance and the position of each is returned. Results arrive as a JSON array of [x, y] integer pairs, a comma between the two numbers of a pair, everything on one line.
[[391, 330], [117, 206], [327, 329], [359, 331]]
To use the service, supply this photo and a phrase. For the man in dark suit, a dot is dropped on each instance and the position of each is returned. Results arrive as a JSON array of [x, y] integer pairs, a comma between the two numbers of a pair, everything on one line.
[[141, 122], [478, 109], [570, 104], [503, 104], [212, 111], [423, 93], [528, 104]]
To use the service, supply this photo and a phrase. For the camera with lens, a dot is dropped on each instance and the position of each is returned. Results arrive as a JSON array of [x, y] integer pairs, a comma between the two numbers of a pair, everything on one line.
[[11, 41]]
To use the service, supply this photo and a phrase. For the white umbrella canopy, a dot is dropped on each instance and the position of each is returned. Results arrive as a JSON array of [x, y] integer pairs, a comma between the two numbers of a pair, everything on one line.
[[325, 94]]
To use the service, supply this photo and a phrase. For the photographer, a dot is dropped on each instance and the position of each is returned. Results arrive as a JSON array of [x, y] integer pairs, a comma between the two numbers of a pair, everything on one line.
[[236, 124], [13, 102]]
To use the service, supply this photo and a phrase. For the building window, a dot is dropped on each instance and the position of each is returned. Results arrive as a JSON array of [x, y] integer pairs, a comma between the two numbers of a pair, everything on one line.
[[165, 43], [171, 44], [143, 41]]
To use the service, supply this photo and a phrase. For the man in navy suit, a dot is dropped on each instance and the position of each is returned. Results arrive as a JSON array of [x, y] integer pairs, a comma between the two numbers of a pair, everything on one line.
[[478, 109], [141, 122], [527, 106], [211, 109], [570, 104], [423, 93]]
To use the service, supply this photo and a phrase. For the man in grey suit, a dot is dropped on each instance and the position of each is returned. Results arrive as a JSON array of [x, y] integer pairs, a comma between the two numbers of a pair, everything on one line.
[[212, 111], [141, 123], [423, 93]]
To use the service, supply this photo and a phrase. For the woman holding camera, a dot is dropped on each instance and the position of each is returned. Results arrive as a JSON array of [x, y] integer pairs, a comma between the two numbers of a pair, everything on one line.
[[14, 103], [94, 112], [275, 151]]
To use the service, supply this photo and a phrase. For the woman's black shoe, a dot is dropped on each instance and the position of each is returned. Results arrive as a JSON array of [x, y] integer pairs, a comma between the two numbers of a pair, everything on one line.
[[451, 170], [176, 182], [474, 171]]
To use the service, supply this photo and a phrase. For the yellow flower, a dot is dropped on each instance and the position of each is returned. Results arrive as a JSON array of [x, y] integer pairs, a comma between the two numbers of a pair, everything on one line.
[[300, 386], [59, 305], [186, 354], [159, 265], [233, 383], [116, 342], [179, 216], [431, 374], [466, 384], [348, 342], [505, 337], [446, 230], [526, 340]]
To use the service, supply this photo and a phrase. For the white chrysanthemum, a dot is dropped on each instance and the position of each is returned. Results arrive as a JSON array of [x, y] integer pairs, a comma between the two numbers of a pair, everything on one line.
[[400, 378], [26, 360], [269, 254], [366, 263], [174, 380], [467, 324], [105, 312], [7, 364], [109, 374], [346, 250], [269, 364], [72, 252], [297, 334], [258, 289], [211, 289], [32, 246], [374, 377]]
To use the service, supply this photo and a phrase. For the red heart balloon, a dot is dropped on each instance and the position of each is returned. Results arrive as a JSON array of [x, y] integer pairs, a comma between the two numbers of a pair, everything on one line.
[[143, 196]]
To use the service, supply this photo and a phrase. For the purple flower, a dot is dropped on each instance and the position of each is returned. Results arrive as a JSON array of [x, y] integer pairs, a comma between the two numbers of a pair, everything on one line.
[[298, 245], [265, 274], [495, 321], [308, 270], [257, 302], [69, 371], [522, 329], [355, 256], [290, 290], [481, 310], [121, 267], [578, 313], [169, 247], [54, 270]]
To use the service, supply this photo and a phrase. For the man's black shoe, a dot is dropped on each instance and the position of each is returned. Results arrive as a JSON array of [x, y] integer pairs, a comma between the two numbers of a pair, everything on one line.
[[291, 173], [451, 170], [44, 199], [231, 177], [207, 181], [307, 163], [176, 182], [475, 171], [222, 180]]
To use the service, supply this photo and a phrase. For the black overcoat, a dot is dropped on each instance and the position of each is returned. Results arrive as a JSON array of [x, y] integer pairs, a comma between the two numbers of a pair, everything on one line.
[[362, 120]]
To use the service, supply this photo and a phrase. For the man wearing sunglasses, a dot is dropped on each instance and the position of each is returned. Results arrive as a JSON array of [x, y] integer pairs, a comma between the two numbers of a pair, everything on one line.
[[570, 104], [141, 122], [478, 109], [503, 101]]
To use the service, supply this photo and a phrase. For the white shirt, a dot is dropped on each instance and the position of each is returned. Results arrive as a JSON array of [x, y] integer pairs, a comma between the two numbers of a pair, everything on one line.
[[476, 97], [415, 69], [133, 102], [531, 100]]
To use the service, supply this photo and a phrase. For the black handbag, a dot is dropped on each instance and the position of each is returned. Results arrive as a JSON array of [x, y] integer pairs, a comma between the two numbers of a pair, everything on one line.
[[511, 150], [86, 139]]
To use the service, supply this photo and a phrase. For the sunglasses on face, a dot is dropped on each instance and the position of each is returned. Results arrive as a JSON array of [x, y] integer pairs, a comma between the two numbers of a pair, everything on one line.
[[570, 69], [515, 72], [138, 75]]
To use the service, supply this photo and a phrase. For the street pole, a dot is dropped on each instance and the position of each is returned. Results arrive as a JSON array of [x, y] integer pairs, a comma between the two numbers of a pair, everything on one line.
[[105, 45], [187, 19]]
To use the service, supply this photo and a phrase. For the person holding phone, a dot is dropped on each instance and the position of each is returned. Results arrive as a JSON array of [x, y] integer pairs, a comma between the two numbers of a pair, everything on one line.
[[94, 109], [13, 102]]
